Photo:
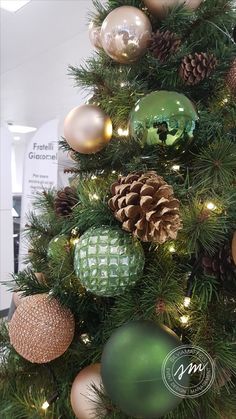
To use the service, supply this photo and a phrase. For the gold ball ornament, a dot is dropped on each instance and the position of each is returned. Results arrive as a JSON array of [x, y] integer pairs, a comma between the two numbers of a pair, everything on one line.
[[125, 34], [94, 35], [41, 329], [87, 129], [231, 78], [160, 8], [233, 248], [83, 397]]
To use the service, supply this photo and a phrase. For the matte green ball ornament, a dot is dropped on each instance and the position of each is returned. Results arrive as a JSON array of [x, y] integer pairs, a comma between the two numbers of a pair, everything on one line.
[[107, 261], [163, 118], [132, 369]]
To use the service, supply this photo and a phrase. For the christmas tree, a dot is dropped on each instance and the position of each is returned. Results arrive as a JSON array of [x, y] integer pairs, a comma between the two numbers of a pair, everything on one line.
[[138, 256]]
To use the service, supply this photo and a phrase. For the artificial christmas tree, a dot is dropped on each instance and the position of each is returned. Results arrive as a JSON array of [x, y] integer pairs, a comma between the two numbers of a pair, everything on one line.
[[157, 161]]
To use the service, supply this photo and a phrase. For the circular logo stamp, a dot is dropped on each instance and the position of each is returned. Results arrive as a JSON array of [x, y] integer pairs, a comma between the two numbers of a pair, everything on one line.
[[191, 361]]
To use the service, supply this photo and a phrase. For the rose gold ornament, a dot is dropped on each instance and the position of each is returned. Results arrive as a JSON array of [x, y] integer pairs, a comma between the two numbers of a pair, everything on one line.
[[125, 34], [87, 129], [160, 8], [231, 78], [94, 35], [83, 397], [18, 297], [41, 329]]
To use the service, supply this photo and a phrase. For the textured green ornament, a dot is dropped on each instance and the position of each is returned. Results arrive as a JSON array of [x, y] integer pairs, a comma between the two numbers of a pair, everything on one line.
[[59, 250], [132, 369], [108, 260], [163, 118]]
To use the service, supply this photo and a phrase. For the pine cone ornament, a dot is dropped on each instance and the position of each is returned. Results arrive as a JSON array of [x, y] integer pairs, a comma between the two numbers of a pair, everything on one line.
[[160, 306], [163, 44], [145, 205], [231, 78], [220, 265], [66, 199], [197, 67]]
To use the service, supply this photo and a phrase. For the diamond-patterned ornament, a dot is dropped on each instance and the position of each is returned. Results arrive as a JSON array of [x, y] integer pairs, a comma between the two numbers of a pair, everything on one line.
[[108, 260]]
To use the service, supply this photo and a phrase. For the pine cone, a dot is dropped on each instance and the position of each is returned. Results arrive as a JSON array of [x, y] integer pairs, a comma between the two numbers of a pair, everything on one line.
[[145, 205], [164, 44], [196, 67], [220, 265], [160, 307], [65, 201], [231, 78]]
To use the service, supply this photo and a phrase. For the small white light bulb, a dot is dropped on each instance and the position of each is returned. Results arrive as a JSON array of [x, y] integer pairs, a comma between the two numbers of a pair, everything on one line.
[[45, 405], [187, 302], [184, 319], [175, 167], [211, 206]]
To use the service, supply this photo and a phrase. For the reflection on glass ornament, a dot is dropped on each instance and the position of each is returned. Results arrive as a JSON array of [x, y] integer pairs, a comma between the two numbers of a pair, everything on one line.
[[163, 117], [125, 34]]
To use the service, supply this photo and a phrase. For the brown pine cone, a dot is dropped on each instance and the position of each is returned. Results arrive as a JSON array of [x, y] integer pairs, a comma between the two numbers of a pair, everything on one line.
[[145, 205], [220, 265], [66, 199], [231, 78], [163, 44], [196, 67]]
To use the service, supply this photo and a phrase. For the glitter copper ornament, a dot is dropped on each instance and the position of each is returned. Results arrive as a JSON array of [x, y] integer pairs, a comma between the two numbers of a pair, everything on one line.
[[231, 78], [41, 329], [145, 205]]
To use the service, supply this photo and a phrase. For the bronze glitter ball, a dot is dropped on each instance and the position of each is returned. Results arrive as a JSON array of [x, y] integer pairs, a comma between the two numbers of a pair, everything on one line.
[[41, 329]]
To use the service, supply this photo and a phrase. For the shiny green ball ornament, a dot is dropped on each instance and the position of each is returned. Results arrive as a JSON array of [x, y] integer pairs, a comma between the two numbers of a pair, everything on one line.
[[107, 261], [131, 371], [163, 118]]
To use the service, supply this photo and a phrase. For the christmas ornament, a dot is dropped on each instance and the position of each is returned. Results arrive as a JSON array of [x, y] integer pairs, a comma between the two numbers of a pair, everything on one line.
[[41, 329], [83, 396], [164, 44], [65, 200], [59, 249], [125, 34], [233, 248], [231, 78], [163, 117], [87, 129], [160, 8], [196, 67], [94, 35], [145, 205], [132, 369], [107, 261], [18, 297]]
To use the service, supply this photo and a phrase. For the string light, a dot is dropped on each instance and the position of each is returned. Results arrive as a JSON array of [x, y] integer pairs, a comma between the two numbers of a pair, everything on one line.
[[50, 401], [93, 177], [184, 319], [172, 249], [94, 197], [187, 301], [113, 172], [211, 206], [45, 405], [123, 84], [123, 132], [175, 167]]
